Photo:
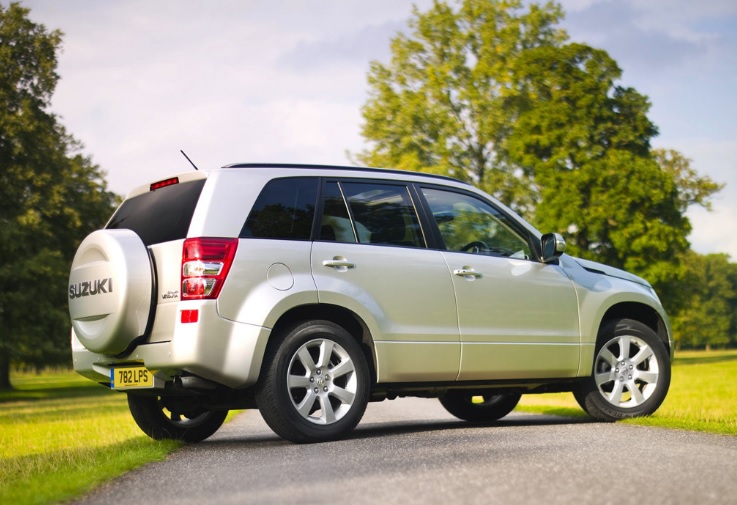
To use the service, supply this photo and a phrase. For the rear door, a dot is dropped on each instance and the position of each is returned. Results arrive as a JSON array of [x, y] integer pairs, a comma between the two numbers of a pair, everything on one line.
[[518, 317], [371, 257]]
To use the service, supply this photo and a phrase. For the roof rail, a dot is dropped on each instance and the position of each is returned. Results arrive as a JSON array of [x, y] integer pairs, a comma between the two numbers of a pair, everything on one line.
[[338, 167]]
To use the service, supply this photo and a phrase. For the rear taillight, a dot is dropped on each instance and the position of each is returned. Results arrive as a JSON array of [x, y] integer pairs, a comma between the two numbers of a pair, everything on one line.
[[205, 265]]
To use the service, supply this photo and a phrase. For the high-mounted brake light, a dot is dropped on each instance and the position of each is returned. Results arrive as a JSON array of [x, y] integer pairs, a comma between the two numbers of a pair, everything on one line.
[[164, 183], [205, 266]]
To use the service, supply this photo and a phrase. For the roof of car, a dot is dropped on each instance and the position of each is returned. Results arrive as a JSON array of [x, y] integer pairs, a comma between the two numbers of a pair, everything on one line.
[[337, 167]]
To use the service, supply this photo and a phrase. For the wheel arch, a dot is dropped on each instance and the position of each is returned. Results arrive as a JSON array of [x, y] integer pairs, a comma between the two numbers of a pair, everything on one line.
[[341, 316], [643, 313]]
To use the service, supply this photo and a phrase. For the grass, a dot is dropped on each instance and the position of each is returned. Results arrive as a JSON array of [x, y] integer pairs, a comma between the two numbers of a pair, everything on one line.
[[702, 396], [61, 435]]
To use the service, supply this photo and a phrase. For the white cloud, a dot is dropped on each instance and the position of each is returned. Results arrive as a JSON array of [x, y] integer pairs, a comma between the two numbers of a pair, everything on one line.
[[716, 231], [678, 15]]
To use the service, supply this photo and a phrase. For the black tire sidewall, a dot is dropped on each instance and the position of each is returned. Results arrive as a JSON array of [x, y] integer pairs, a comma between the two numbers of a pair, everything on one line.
[[459, 403], [150, 417], [588, 395], [272, 393]]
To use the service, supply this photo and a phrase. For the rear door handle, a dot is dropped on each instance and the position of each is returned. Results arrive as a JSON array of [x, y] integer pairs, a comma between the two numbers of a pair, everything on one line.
[[467, 273], [339, 263]]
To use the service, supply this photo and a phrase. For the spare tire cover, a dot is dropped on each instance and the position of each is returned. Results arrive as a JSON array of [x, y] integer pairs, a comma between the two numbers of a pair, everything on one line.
[[110, 290]]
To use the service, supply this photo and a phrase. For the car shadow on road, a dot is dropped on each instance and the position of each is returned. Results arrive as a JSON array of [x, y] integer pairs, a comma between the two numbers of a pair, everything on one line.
[[371, 430]]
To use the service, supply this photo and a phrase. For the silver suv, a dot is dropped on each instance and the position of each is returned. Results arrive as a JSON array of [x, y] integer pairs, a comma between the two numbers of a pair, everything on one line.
[[308, 291]]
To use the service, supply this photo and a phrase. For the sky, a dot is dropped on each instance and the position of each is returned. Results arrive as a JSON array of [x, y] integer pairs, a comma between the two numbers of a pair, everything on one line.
[[284, 80]]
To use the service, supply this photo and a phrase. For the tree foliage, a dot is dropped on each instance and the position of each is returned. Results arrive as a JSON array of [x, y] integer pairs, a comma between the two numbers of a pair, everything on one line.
[[51, 196], [445, 103], [585, 141], [708, 313], [492, 92]]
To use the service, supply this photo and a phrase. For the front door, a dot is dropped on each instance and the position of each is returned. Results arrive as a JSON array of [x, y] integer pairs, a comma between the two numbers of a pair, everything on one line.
[[518, 317]]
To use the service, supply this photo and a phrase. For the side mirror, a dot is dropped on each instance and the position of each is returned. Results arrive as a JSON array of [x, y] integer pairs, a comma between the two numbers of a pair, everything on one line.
[[553, 245]]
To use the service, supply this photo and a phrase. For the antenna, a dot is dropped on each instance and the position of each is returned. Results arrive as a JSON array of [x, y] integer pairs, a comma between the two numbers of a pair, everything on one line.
[[190, 161]]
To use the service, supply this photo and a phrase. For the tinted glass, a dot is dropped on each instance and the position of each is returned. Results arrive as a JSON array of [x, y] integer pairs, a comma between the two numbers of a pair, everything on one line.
[[335, 224], [284, 210], [469, 224], [161, 215], [383, 214]]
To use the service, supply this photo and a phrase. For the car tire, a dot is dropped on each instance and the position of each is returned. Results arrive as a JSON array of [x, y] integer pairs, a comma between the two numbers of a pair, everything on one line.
[[315, 383], [479, 408], [165, 419], [631, 373]]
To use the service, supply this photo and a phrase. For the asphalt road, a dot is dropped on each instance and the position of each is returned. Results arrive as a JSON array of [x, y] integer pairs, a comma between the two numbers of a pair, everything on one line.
[[411, 451]]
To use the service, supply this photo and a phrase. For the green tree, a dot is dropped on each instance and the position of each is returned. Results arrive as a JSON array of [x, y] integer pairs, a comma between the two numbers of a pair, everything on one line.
[[51, 196], [707, 317], [445, 102], [585, 141], [692, 189], [493, 93]]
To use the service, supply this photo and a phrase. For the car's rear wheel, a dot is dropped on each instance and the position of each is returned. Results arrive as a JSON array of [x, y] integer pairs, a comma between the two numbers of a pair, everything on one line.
[[479, 408], [315, 384], [631, 373], [174, 419]]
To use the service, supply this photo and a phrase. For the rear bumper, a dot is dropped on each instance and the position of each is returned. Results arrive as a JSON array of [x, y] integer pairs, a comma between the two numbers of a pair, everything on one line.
[[214, 348]]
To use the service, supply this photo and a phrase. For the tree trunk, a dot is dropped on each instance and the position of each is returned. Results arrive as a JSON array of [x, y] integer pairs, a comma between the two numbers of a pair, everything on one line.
[[5, 372]]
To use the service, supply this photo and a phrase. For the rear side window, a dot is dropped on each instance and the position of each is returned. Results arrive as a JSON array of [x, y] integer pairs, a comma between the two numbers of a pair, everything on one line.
[[370, 213], [161, 215], [284, 210]]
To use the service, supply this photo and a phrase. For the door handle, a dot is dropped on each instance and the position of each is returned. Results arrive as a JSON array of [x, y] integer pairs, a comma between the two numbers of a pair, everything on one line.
[[467, 273], [339, 263]]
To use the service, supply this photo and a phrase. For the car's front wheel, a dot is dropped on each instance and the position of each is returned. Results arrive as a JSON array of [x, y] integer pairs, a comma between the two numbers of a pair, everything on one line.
[[479, 408], [315, 384], [164, 418], [631, 373]]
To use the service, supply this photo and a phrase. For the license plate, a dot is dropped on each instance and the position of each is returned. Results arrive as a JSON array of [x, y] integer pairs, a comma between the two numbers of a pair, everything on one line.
[[134, 377]]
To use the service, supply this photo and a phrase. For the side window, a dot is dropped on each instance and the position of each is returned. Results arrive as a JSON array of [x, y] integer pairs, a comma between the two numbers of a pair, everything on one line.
[[469, 224], [370, 213], [336, 222], [284, 210]]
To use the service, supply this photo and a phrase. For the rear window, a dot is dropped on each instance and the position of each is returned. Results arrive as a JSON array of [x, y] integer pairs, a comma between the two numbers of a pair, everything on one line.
[[284, 210], [162, 215]]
